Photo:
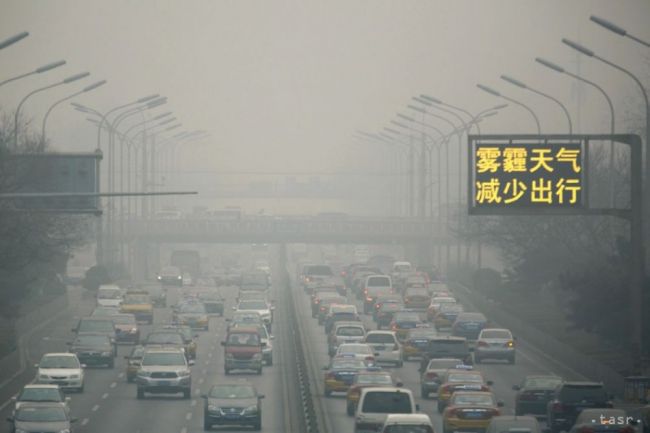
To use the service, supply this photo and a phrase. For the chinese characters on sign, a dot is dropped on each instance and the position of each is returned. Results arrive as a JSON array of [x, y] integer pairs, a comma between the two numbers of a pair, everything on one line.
[[527, 175]]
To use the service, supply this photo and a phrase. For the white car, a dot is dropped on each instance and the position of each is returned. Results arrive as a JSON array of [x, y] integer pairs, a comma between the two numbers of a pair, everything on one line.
[[260, 306], [494, 343], [385, 346], [356, 350], [375, 404], [412, 422], [63, 369], [109, 295]]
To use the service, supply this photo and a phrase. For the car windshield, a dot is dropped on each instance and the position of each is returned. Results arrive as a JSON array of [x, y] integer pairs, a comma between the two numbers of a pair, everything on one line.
[[244, 339], [402, 268], [417, 291], [59, 361], [584, 393], [40, 394], [464, 377], [406, 428], [444, 300], [355, 348], [192, 308], [108, 294], [136, 299], [96, 326], [496, 333], [232, 391], [152, 358], [105, 311], [253, 305], [319, 270], [380, 338], [185, 331], [41, 414], [390, 307], [342, 364], [443, 363], [407, 317], [387, 402], [92, 340], [461, 399], [374, 379], [451, 308], [379, 281], [165, 338], [124, 320], [542, 382], [350, 331]]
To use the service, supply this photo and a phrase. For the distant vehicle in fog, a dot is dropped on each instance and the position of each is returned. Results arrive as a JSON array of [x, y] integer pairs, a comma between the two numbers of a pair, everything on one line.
[[169, 215]]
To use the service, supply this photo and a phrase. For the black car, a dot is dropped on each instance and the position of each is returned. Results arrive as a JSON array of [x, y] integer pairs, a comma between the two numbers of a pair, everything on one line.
[[213, 302], [232, 404], [446, 347], [93, 349], [534, 393], [569, 398]]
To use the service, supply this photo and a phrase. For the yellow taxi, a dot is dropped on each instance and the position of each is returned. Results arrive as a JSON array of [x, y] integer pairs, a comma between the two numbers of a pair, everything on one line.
[[375, 376], [341, 372], [465, 379], [138, 303], [417, 342], [470, 411], [403, 321], [446, 314], [133, 361]]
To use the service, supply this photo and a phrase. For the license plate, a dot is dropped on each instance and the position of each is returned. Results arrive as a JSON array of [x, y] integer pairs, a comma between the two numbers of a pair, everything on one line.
[[232, 416], [164, 382], [382, 347], [474, 415]]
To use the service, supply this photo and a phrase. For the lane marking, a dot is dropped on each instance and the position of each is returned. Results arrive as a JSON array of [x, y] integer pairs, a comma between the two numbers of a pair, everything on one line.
[[120, 376], [104, 396], [201, 381], [85, 421], [113, 385], [6, 403], [184, 430], [193, 403], [204, 371], [95, 407], [188, 416]]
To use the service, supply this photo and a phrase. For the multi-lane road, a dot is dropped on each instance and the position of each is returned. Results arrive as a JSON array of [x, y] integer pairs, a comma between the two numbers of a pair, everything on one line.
[[109, 403]]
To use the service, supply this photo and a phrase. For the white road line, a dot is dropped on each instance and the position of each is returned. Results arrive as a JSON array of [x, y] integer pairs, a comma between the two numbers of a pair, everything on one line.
[[120, 376], [184, 430], [193, 403], [197, 392], [201, 380], [104, 396], [95, 407], [85, 421], [188, 416], [207, 362], [210, 355], [6, 403], [204, 371], [113, 385]]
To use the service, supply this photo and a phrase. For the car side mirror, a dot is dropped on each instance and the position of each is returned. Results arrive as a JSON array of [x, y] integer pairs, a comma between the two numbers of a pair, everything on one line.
[[271, 337], [263, 344], [14, 398], [83, 366], [196, 335], [73, 420], [234, 308], [35, 365], [489, 383], [417, 407], [500, 403], [261, 396], [399, 384], [73, 330], [516, 387], [191, 362]]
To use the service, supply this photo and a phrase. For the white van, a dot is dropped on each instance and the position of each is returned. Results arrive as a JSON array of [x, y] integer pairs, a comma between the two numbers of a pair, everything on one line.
[[415, 423], [109, 295], [375, 404]]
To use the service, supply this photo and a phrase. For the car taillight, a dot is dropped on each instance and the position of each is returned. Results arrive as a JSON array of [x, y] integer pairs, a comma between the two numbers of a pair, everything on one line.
[[557, 407], [431, 375], [585, 429], [444, 389], [482, 344], [370, 358], [322, 308], [343, 273], [331, 375], [377, 306], [368, 298], [496, 412], [393, 327]]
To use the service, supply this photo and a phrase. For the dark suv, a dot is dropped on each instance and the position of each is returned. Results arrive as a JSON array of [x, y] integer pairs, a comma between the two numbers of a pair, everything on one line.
[[446, 347], [569, 398]]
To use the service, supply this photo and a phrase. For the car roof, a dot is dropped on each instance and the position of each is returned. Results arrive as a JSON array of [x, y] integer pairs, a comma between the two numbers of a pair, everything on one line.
[[448, 338], [163, 349], [410, 418], [41, 385], [34, 404], [386, 389], [382, 332], [71, 355], [349, 323], [243, 330]]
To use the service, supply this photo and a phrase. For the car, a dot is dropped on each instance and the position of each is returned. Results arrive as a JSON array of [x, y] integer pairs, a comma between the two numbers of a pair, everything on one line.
[[232, 404], [109, 295], [357, 350], [250, 317], [403, 321], [98, 325], [126, 328], [470, 411], [469, 325], [373, 287], [417, 298], [93, 349], [254, 281], [569, 398], [157, 294], [604, 421], [164, 370], [417, 342], [385, 312], [243, 350], [393, 298], [431, 375], [324, 306], [410, 423], [63, 369], [133, 362], [313, 274], [364, 379], [262, 307], [534, 393], [170, 276], [495, 343], [516, 423], [321, 293], [340, 313], [375, 403], [438, 288], [385, 346], [41, 417], [447, 347], [436, 302], [192, 314], [457, 379], [138, 302], [345, 332], [41, 393], [446, 314], [267, 345], [340, 374], [189, 338], [169, 338], [213, 302]]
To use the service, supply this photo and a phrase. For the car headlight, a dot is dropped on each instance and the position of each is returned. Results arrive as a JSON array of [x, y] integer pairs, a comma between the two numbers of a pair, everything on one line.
[[250, 410], [184, 373], [213, 408], [133, 330], [257, 356], [159, 277], [74, 376], [144, 373]]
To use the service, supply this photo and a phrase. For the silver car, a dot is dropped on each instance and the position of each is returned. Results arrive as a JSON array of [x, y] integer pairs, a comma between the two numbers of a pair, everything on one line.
[[385, 346], [495, 343]]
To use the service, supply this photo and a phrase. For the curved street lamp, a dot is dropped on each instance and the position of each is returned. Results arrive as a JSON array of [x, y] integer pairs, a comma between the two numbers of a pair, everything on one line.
[[616, 29], [514, 101], [13, 39], [39, 70]]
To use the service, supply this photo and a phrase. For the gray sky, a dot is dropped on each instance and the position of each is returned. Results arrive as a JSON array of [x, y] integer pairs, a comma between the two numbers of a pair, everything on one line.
[[282, 85]]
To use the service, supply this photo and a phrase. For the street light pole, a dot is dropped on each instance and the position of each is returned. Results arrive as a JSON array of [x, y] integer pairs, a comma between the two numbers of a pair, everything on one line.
[[616, 29], [514, 101], [13, 39], [40, 70]]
